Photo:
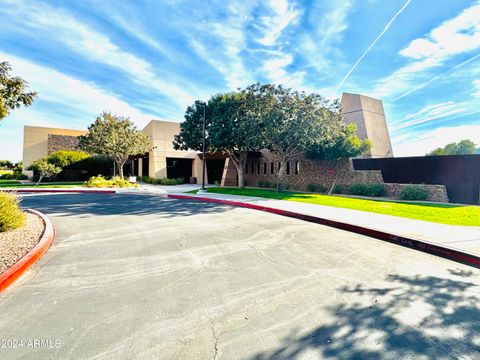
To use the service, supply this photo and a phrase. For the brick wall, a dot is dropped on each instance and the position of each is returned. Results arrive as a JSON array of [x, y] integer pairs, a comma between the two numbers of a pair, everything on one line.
[[309, 172], [436, 193], [62, 142]]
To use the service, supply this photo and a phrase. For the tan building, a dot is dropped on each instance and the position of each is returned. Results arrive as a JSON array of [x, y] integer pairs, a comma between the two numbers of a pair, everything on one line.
[[38, 142], [368, 114], [164, 161]]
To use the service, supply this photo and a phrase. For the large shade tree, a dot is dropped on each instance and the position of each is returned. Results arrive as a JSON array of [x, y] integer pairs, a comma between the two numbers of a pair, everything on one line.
[[235, 125], [116, 137], [13, 91], [295, 121]]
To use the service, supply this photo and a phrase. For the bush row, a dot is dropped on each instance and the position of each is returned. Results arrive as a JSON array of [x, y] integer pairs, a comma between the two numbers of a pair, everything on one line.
[[101, 182], [13, 176], [164, 181], [11, 215]]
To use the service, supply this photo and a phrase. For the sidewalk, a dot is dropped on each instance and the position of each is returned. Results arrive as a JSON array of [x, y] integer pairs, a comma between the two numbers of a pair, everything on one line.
[[460, 238]]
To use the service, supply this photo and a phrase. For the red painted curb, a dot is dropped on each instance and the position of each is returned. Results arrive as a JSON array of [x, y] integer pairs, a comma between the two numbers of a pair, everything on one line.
[[416, 244], [63, 191], [30, 258]]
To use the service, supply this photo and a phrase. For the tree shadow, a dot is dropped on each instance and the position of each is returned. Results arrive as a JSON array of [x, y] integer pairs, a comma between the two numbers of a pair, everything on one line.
[[426, 317], [118, 204]]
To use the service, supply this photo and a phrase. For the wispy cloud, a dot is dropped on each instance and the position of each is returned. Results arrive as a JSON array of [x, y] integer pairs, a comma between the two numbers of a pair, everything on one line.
[[282, 15], [456, 36], [61, 26], [390, 22]]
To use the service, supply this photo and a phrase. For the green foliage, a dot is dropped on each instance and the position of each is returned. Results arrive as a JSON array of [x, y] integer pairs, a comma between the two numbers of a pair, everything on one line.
[[464, 147], [316, 188], [13, 176], [164, 181], [64, 158], [115, 182], [264, 184], [367, 189], [5, 164], [11, 215], [339, 189], [13, 91], [414, 192], [116, 137], [45, 169]]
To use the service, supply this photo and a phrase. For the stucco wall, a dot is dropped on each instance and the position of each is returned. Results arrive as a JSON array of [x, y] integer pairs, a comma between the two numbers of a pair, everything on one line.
[[35, 142]]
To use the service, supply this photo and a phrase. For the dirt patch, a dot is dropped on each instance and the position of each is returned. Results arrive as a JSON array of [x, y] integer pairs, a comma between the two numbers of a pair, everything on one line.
[[16, 243]]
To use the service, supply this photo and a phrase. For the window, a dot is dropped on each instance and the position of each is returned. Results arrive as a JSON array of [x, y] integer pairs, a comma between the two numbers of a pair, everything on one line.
[[272, 168], [297, 167], [279, 166], [246, 169], [264, 168], [288, 167], [253, 168], [258, 168]]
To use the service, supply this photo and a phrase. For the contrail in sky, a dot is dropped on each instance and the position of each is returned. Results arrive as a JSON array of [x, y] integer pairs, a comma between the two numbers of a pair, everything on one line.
[[421, 86], [373, 44]]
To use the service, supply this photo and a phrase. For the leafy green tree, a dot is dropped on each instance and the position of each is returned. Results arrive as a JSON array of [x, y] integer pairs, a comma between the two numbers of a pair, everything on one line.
[[5, 164], [45, 169], [295, 121], [464, 147], [343, 143], [235, 123], [13, 91], [116, 137]]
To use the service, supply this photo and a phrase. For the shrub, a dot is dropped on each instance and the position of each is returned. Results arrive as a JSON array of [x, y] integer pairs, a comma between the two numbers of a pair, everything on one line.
[[414, 192], [316, 188], [180, 181], [100, 182], [13, 176], [264, 184], [167, 181], [339, 189], [11, 216], [368, 189], [64, 158]]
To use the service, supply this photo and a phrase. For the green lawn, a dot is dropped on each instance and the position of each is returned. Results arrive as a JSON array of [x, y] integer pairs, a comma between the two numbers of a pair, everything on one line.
[[13, 184], [439, 213]]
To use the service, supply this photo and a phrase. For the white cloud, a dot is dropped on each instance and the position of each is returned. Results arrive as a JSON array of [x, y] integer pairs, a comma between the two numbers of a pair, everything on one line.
[[456, 36], [275, 70], [476, 84], [284, 14], [427, 141], [61, 26]]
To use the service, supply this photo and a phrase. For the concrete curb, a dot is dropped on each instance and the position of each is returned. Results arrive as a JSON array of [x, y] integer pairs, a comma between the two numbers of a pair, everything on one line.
[[62, 191], [30, 258], [416, 244]]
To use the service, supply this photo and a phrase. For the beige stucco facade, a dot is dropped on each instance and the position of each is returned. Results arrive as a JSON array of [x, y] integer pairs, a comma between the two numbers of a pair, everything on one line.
[[35, 142], [369, 116]]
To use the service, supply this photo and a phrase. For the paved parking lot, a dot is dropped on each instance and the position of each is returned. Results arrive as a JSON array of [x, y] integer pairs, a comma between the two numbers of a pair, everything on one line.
[[142, 276]]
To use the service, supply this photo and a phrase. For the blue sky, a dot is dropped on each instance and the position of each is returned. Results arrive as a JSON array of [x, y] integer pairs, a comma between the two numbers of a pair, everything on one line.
[[150, 59]]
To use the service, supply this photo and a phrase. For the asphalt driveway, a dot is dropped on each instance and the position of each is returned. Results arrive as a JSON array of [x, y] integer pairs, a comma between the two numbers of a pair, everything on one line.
[[141, 276]]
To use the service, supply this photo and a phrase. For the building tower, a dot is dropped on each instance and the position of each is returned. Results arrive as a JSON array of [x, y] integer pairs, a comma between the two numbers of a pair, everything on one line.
[[368, 114]]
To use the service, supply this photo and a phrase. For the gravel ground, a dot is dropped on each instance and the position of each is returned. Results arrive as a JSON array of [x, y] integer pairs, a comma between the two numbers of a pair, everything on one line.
[[15, 244]]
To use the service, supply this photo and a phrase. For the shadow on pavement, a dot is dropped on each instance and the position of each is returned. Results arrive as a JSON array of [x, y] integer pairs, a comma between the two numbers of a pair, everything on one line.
[[117, 204], [424, 317]]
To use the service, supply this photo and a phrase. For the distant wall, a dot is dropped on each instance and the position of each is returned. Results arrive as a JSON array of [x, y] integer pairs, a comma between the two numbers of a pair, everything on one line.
[[62, 142], [459, 173]]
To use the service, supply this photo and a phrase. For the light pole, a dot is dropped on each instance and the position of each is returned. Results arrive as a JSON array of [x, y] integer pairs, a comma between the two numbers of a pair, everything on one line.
[[204, 104]]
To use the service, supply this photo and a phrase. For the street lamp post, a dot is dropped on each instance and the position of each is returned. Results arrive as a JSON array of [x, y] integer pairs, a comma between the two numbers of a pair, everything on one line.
[[204, 104]]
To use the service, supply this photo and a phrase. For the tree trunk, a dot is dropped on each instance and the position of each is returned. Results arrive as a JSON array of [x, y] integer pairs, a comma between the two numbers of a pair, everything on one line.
[[280, 175], [239, 162], [40, 177], [335, 178], [120, 169]]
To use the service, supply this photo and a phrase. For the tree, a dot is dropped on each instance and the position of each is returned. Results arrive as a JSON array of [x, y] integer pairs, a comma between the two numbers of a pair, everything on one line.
[[13, 91], [116, 137], [45, 169], [64, 158], [235, 126], [343, 144], [6, 164], [464, 147], [296, 121]]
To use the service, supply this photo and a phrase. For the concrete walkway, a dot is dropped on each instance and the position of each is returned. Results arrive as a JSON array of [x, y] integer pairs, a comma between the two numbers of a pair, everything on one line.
[[462, 238]]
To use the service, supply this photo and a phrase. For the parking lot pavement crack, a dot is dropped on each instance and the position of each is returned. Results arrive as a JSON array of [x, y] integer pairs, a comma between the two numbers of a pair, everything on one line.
[[215, 338]]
